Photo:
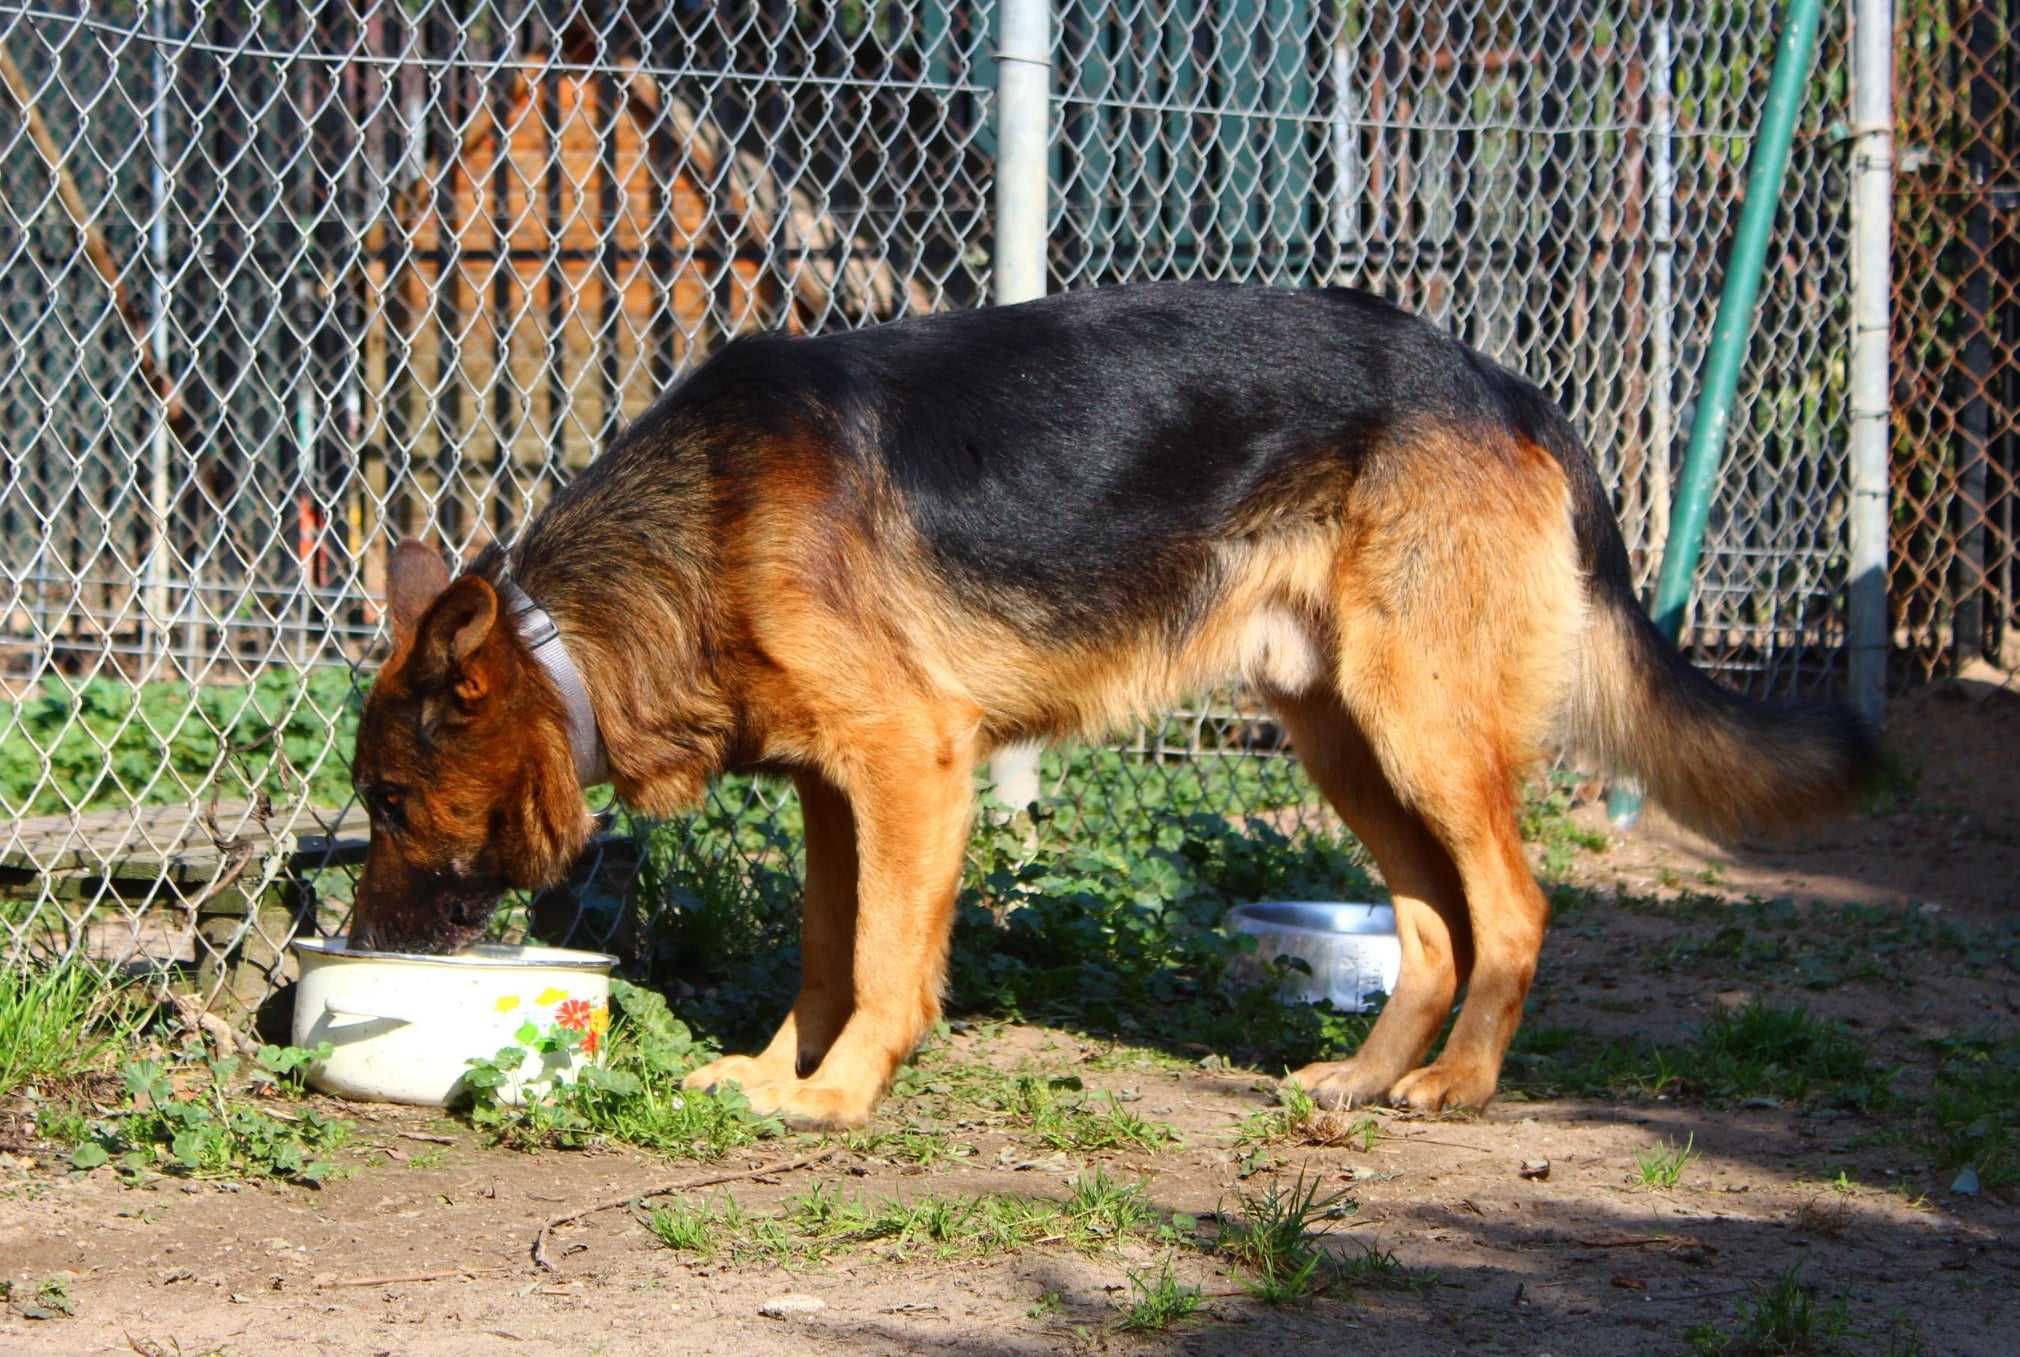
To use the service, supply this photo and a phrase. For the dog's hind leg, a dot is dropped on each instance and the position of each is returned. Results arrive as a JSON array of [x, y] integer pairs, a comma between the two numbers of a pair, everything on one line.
[[1458, 607], [1423, 884], [827, 947], [1461, 782]]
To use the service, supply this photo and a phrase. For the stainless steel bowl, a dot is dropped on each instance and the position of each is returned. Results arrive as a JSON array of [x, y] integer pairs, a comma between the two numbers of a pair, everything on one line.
[[1351, 949]]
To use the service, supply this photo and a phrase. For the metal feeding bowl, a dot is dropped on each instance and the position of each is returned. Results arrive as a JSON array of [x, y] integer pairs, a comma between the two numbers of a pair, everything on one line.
[[402, 1028], [1351, 949]]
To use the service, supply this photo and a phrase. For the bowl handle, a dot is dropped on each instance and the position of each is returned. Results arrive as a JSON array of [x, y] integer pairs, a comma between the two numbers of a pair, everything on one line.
[[331, 1008]]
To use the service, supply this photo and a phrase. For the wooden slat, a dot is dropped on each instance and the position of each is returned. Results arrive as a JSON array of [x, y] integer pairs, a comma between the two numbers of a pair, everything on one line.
[[171, 842]]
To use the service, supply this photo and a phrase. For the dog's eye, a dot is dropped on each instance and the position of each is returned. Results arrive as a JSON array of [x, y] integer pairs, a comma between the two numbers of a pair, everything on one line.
[[387, 804]]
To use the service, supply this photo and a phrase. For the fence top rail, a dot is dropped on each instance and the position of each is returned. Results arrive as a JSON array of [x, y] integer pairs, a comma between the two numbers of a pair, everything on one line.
[[178, 842]]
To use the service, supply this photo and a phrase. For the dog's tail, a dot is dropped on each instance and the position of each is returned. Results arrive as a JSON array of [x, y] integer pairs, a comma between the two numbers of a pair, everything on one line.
[[1715, 760]]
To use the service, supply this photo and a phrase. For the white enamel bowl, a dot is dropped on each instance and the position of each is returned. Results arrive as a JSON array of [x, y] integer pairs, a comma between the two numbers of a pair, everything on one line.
[[405, 1026]]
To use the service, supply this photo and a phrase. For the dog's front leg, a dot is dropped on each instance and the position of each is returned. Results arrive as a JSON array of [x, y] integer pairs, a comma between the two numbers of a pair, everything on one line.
[[909, 785], [827, 948]]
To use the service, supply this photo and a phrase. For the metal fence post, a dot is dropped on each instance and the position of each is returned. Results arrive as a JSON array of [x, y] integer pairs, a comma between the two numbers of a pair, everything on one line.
[[1870, 398], [1662, 217], [1023, 200]]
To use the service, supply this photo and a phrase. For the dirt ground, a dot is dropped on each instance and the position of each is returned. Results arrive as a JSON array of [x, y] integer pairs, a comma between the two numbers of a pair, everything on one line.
[[423, 1249]]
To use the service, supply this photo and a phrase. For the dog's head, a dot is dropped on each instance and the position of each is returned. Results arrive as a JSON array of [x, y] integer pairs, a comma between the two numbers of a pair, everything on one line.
[[463, 764]]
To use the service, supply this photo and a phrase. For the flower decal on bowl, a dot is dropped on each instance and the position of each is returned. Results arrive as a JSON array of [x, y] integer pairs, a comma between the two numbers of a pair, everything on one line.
[[591, 1020]]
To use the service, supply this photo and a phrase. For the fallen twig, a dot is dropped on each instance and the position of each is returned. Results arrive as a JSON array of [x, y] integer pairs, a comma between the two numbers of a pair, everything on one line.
[[423, 1135], [1448, 1144], [663, 1190], [1705, 1295], [407, 1277]]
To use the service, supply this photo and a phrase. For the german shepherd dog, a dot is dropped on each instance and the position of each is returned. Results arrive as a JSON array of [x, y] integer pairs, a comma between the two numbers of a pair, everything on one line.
[[868, 559]]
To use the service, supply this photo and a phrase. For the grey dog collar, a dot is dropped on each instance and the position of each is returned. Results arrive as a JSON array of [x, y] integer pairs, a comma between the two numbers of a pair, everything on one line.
[[543, 638]]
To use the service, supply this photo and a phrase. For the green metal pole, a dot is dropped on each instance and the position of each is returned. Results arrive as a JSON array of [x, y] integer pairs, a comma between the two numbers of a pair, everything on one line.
[[1729, 336]]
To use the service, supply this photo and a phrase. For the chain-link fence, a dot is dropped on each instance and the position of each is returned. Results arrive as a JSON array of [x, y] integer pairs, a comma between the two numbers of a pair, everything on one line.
[[1956, 559], [279, 284]]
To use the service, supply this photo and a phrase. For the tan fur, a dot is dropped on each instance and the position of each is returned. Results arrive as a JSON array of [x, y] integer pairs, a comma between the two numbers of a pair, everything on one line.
[[1711, 764], [1419, 650], [1418, 622]]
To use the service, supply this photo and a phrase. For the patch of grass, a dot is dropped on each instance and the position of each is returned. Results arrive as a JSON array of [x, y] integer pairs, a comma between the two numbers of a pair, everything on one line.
[[1545, 821], [1661, 1166], [687, 1227], [1125, 1057], [1758, 1050], [206, 1132], [1826, 1218], [1056, 1109], [1784, 1317], [58, 1022], [633, 1098], [1785, 1052], [1297, 1120], [825, 1221], [1160, 1300], [1085, 1125], [1376, 1268], [921, 1145], [1272, 1237], [1780, 1319], [1970, 1109]]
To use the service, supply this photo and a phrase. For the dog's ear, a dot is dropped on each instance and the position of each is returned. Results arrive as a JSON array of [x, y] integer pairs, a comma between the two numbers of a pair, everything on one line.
[[451, 647], [416, 576]]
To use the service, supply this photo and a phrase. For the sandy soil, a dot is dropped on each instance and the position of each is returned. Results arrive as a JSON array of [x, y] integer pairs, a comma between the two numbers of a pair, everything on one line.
[[429, 1255]]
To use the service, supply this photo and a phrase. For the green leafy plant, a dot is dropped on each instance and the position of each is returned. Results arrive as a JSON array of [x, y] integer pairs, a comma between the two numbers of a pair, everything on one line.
[[633, 1097], [286, 1067], [104, 742], [205, 1133]]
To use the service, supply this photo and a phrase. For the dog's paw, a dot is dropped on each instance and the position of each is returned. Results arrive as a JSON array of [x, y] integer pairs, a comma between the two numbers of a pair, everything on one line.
[[806, 1105], [731, 1069], [1338, 1084], [1444, 1086]]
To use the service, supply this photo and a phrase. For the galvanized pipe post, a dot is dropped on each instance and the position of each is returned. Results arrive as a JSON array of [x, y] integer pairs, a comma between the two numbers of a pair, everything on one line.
[[1662, 284], [1870, 396], [1730, 333], [1023, 202]]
